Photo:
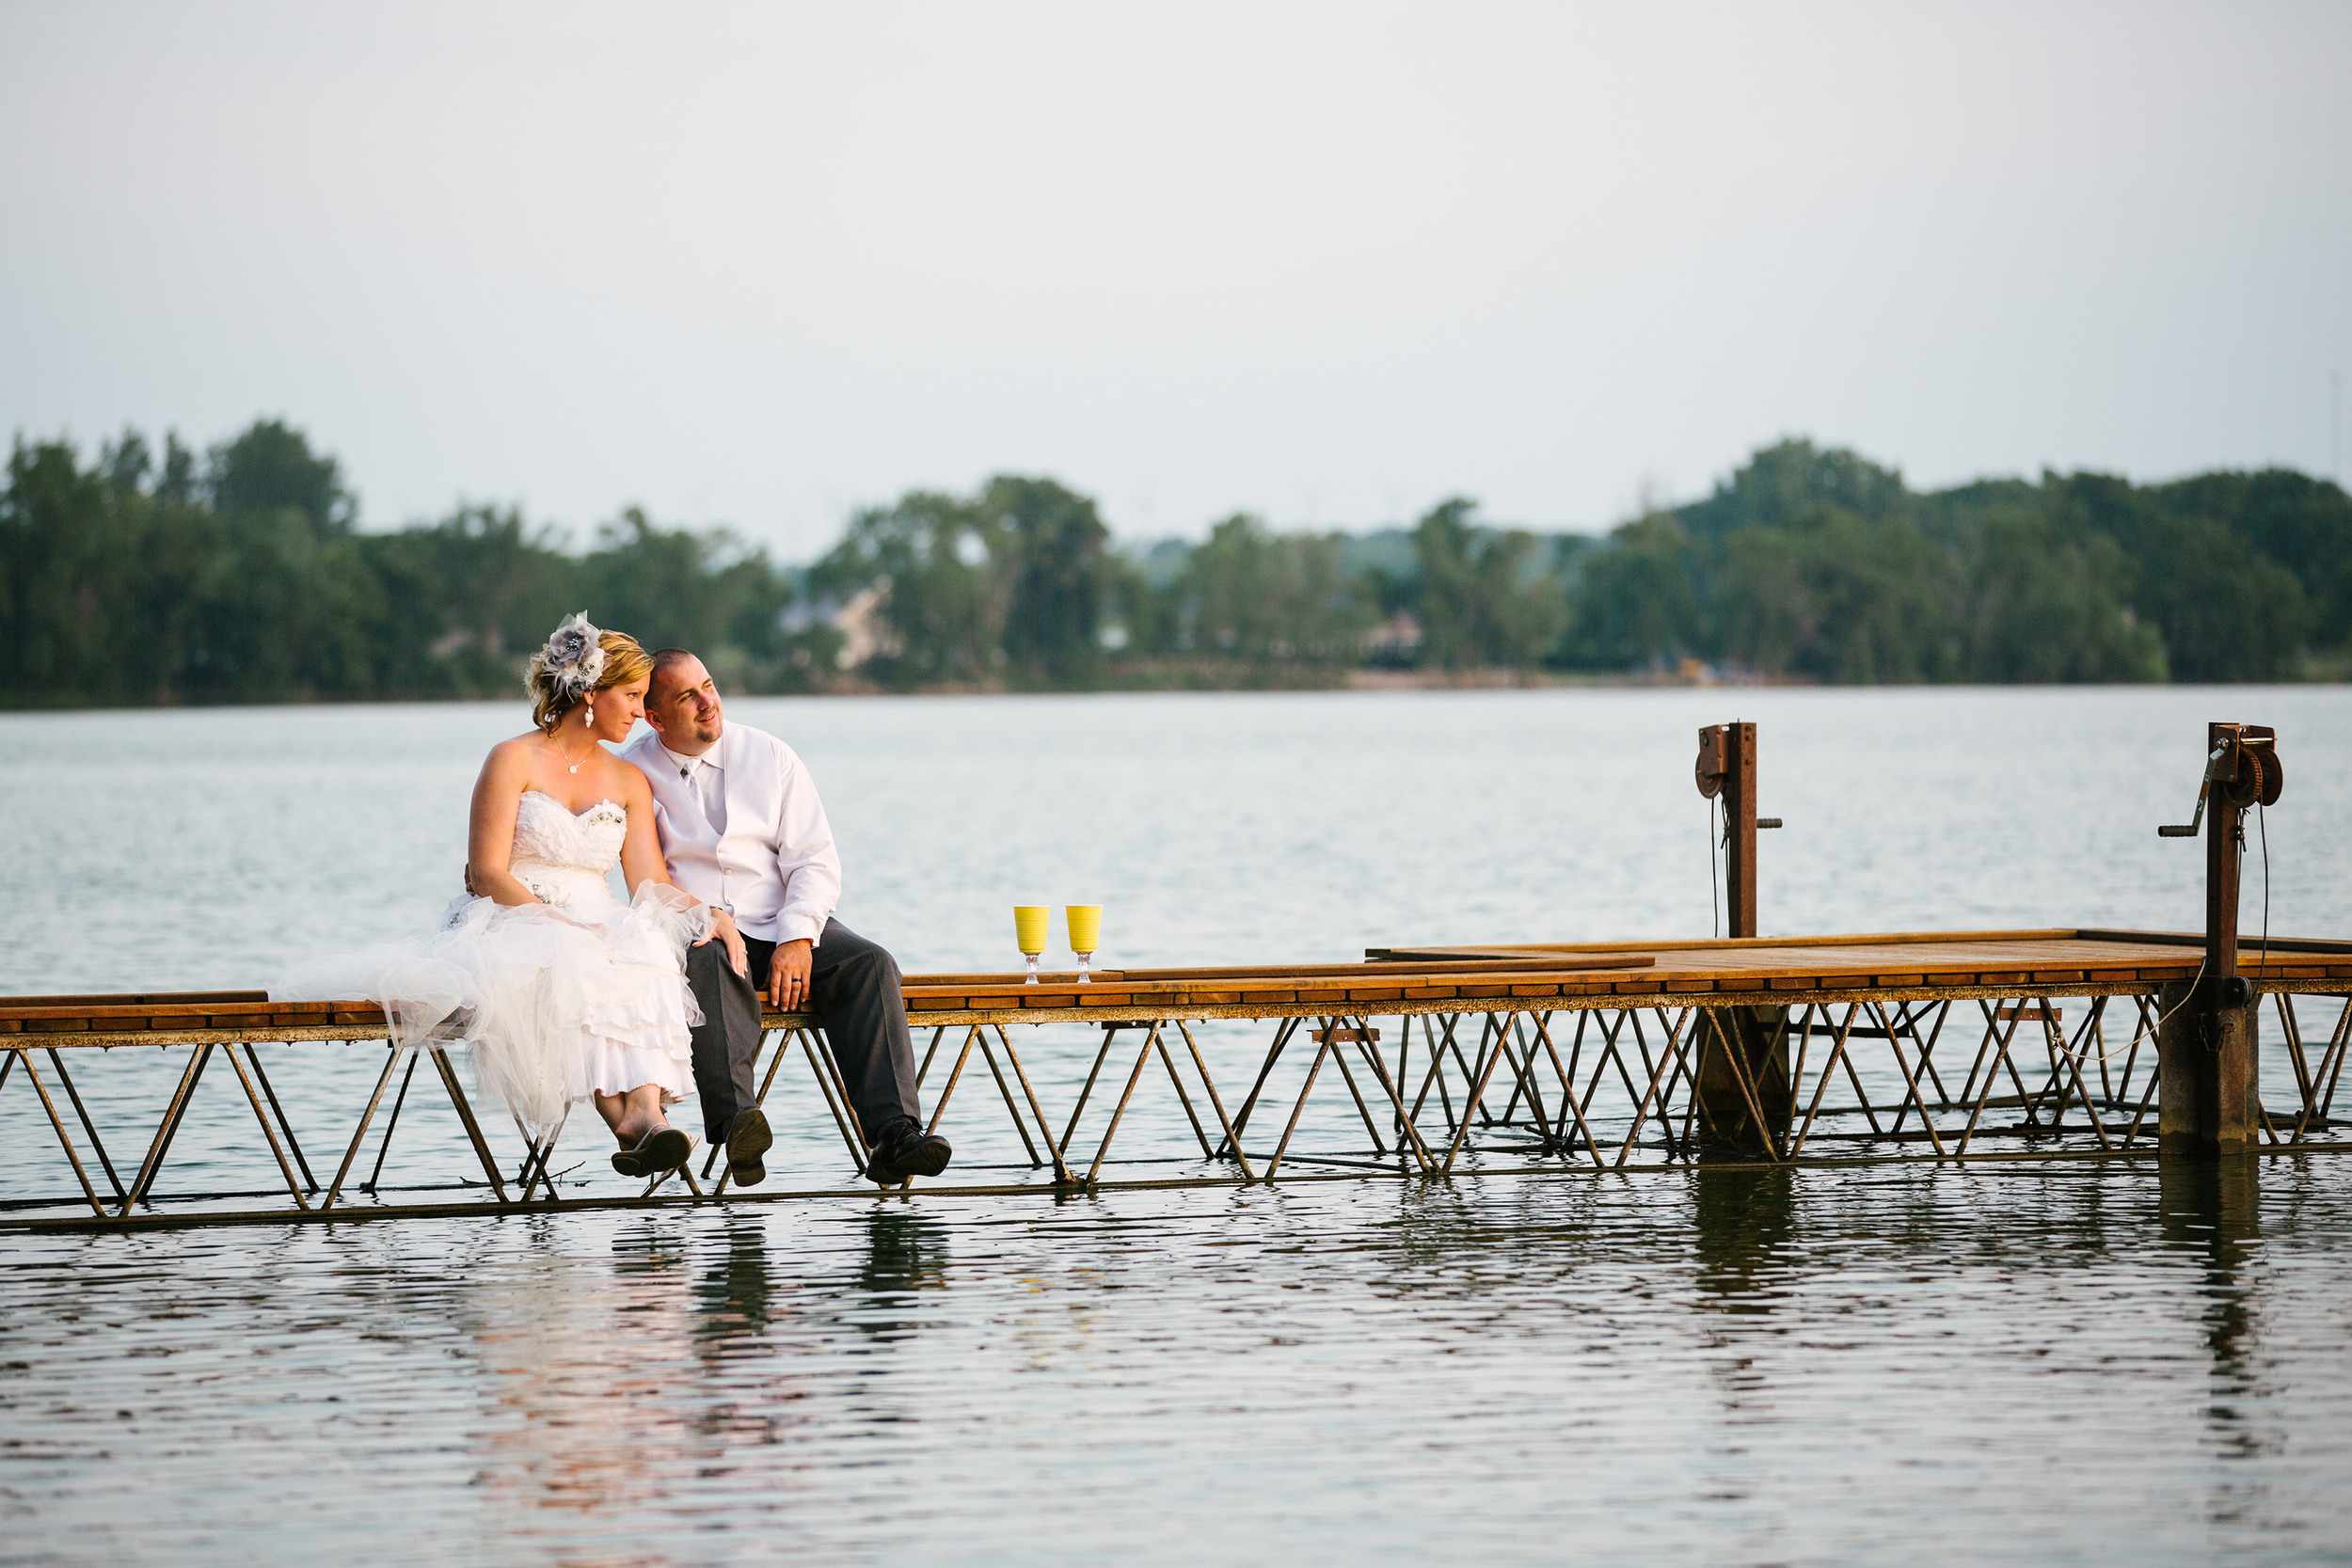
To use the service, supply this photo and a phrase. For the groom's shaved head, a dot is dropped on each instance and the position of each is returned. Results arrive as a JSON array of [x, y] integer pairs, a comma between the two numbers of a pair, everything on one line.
[[682, 702]]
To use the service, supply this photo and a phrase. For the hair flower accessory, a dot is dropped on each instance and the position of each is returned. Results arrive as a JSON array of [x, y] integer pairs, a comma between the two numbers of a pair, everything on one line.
[[574, 657]]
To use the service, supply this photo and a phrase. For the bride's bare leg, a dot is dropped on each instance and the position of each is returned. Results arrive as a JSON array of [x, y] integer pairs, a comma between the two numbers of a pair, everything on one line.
[[633, 1115]]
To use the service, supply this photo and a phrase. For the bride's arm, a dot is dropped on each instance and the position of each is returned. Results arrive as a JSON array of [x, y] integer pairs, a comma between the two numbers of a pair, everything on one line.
[[490, 828], [641, 862]]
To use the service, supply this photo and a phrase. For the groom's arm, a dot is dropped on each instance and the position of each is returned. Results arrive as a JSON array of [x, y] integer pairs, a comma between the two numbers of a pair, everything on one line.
[[805, 857], [810, 869]]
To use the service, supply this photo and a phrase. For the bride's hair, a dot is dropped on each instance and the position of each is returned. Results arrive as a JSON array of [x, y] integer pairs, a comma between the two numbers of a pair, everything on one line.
[[579, 661]]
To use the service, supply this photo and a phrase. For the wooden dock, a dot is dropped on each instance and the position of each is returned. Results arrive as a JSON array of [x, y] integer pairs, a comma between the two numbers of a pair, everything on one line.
[[1921, 1044], [1565, 1055]]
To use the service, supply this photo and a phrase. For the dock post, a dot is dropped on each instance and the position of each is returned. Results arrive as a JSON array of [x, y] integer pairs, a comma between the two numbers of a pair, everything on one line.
[[1745, 1097], [2208, 1047], [1746, 1100]]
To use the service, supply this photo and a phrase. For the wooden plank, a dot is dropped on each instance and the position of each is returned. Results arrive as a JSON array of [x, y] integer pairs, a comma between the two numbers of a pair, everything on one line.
[[1719, 943], [127, 1009], [131, 999], [1505, 964], [2245, 943]]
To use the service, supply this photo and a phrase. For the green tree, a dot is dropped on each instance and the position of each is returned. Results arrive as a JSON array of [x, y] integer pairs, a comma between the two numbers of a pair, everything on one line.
[[1483, 596], [1838, 597], [1062, 578], [940, 564], [1637, 604], [1252, 594], [271, 466], [2045, 610]]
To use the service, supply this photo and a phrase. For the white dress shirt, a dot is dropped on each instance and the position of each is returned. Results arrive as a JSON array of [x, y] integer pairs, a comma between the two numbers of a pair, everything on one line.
[[742, 828]]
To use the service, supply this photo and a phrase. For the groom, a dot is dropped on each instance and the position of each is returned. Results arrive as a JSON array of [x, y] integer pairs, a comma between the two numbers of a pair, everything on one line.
[[742, 828]]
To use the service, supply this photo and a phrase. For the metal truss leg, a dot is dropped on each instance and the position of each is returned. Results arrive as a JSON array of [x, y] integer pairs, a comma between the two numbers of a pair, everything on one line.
[[1110, 1033], [1283, 1032], [253, 1059], [473, 1127], [57, 1122], [1472, 1096], [1063, 1172], [1910, 1082], [924, 1070], [939, 1108], [538, 1154], [1012, 1107], [166, 1130], [1822, 1082], [260, 1115], [1408, 1137], [82, 1113], [1151, 1039], [1296, 1110], [819, 1054], [1232, 1138], [1669, 1061], [1199, 1132], [392, 1060], [1339, 1059]]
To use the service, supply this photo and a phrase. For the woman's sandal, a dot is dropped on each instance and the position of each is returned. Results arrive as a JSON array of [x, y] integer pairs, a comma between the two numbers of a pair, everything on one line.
[[664, 1148]]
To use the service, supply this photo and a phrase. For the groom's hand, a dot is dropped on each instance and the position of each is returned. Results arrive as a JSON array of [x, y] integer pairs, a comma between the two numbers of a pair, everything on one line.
[[787, 974]]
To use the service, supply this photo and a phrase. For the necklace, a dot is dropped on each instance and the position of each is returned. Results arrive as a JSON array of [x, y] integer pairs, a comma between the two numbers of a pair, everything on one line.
[[576, 767]]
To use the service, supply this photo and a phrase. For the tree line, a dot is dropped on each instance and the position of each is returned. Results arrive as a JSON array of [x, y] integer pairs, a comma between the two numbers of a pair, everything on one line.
[[242, 576]]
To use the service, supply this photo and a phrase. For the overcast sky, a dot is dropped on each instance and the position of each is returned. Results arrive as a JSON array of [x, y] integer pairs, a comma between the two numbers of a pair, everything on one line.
[[759, 264]]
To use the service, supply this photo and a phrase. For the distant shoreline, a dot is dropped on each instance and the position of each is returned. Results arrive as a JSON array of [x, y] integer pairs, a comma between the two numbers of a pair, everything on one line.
[[1356, 682]]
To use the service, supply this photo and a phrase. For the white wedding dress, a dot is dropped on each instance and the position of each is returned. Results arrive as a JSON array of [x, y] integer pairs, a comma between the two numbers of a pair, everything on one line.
[[579, 993]]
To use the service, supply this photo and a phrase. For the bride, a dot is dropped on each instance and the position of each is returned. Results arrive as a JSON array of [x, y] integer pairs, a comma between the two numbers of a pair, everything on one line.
[[564, 992]]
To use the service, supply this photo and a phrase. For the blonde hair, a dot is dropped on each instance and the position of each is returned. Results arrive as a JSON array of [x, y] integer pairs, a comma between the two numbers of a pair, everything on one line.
[[552, 697]]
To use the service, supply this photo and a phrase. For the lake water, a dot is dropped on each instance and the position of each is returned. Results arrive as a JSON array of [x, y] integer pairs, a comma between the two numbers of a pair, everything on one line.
[[2031, 1363]]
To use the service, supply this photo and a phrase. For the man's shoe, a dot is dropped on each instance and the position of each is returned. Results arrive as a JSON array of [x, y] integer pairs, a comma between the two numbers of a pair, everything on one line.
[[905, 1149], [747, 1140]]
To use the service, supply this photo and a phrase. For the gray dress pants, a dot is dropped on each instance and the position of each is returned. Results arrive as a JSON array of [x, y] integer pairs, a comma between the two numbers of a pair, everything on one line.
[[853, 990]]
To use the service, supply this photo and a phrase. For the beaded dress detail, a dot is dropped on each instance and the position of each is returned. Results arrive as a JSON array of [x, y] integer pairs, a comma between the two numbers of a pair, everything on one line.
[[577, 993]]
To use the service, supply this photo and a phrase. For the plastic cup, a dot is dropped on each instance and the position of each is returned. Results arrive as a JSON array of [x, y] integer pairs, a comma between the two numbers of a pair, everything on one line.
[[1086, 935], [1030, 922]]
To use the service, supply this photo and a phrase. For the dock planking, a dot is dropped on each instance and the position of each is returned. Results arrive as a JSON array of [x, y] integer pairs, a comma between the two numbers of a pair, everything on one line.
[[1782, 970]]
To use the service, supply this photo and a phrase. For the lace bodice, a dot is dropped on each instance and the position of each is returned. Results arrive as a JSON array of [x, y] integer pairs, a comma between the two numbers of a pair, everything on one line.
[[563, 856]]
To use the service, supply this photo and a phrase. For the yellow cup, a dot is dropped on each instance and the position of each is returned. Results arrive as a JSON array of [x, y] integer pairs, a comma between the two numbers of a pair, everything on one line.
[[1085, 927], [1030, 922]]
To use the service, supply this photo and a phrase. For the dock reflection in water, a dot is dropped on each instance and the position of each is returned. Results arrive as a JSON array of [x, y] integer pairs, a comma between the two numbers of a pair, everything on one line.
[[2094, 1361]]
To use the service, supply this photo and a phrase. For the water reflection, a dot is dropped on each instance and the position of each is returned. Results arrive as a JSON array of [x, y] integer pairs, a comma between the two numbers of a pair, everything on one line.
[[2212, 1209], [1742, 1224], [1742, 1219], [905, 1251]]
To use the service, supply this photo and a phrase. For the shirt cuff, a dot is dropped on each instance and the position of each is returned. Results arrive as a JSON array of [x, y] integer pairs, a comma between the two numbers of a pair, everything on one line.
[[800, 924]]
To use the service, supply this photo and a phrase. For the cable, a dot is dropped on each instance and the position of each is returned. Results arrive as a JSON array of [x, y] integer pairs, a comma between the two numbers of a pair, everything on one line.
[[1714, 892], [2262, 824]]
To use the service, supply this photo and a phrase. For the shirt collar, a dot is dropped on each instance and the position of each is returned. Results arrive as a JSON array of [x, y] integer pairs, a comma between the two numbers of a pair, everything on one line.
[[708, 759]]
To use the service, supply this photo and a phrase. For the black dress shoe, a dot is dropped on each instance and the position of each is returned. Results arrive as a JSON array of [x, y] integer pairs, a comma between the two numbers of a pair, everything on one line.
[[747, 1140], [905, 1149]]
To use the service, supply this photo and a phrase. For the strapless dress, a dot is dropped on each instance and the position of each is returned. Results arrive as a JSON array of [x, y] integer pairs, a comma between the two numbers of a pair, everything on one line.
[[576, 994]]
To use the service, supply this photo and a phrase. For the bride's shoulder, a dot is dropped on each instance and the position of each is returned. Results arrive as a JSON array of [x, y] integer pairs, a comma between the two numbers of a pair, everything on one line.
[[514, 755], [627, 781]]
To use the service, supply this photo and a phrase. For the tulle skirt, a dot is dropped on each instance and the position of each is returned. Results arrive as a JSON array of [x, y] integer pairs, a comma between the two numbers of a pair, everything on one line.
[[555, 1004]]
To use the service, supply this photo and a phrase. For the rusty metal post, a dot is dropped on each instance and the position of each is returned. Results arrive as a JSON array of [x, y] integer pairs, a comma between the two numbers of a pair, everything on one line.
[[2208, 1049], [1746, 1099]]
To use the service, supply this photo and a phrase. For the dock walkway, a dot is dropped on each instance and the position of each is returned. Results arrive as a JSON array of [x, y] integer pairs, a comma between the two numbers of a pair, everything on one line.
[[1560, 1055]]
